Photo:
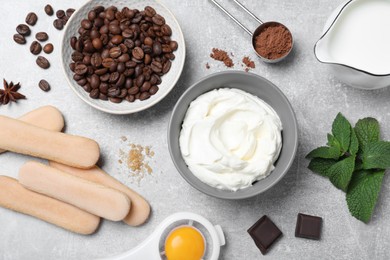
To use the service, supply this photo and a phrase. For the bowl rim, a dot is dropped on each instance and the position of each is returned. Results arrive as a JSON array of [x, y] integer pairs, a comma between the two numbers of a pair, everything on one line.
[[130, 111], [238, 196]]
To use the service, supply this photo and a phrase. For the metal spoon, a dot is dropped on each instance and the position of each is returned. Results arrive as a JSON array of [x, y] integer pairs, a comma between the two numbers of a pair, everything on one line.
[[259, 29]]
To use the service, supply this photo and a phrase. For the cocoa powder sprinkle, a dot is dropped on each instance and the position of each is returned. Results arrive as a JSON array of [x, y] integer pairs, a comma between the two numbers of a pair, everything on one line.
[[248, 63], [223, 56], [273, 42]]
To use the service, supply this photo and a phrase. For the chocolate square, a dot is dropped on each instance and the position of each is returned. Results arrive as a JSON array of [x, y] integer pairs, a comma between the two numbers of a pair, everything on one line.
[[264, 232], [308, 227]]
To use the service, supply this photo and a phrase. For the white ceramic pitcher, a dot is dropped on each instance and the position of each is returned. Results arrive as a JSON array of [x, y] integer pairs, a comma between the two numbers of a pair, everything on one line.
[[356, 43]]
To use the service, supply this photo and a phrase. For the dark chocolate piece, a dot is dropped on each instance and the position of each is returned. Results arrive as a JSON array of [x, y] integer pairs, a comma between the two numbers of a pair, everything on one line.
[[308, 227], [264, 232]]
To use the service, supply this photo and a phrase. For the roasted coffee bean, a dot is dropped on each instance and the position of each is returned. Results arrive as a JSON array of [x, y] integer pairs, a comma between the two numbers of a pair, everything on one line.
[[121, 81], [166, 30], [77, 56], [95, 81], [129, 43], [97, 43], [130, 64], [44, 85], [113, 77], [138, 53], [69, 12], [35, 48], [156, 66], [113, 92], [95, 34], [73, 42], [153, 90], [31, 19], [117, 39], [101, 71], [144, 96], [94, 93], [18, 38], [166, 48], [48, 48], [148, 41], [82, 82], [123, 94], [87, 87], [60, 14], [115, 100], [166, 67], [130, 98], [78, 77], [149, 11], [23, 29], [81, 69], [146, 86], [157, 49], [107, 62], [128, 83], [72, 66], [92, 15], [42, 62], [114, 29], [133, 90], [41, 36], [140, 80], [127, 33], [103, 96], [88, 46], [104, 38], [86, 24], [158, 20], [96, 60], [173, 45], [86, 60], [98, 9], [137, 71], [121, 66], [49, 10], [113, 66], [124, 58], [115, 52], [105, 77], [58, 24], [103, 88]]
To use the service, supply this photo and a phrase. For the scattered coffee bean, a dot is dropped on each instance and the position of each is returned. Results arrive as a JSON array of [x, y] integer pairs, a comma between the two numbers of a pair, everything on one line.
[[31, 18], [121, 54], [49, 10], [19, 39], [23, 29], [69, 12], [44, 85], [41, 36], [58, 24], [48, 48], [35, 48], [60, 14], [43, 62]]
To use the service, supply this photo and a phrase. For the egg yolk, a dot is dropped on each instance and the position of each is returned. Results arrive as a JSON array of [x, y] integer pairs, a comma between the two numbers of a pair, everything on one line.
[[184, 243]]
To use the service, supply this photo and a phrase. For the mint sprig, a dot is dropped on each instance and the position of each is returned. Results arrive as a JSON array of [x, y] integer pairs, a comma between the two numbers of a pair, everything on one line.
[[354, 160]]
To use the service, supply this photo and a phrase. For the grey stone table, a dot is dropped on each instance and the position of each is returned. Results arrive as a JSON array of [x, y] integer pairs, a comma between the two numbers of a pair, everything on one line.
[[315, 95]]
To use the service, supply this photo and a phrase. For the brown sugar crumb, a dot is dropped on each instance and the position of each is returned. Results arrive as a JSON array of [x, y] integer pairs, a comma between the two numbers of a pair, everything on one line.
[[223, 56], [207, 65], [134, 160]]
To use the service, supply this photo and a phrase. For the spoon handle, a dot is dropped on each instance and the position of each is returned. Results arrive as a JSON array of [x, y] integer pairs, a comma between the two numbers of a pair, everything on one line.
[[232, 17], [249, 12]]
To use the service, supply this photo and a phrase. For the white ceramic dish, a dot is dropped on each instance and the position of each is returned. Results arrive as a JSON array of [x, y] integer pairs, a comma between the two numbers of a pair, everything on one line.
[[355, 43], [168, 81]]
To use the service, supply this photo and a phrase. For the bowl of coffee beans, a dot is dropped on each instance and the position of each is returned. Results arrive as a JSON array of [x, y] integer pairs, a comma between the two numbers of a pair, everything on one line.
[[122, 57]]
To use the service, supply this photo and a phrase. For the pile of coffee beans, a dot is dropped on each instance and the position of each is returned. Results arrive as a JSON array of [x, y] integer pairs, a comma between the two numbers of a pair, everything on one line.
[[122, 54], [23, 30]]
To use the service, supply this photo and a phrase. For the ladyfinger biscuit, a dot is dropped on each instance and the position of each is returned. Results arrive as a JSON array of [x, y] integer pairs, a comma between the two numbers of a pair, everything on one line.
[[140, 208], [21, 137], [47, 117], [15, 197], [86, 195]]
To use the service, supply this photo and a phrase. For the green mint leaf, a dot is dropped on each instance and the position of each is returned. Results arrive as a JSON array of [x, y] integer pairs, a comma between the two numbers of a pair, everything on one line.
[[354, 145], [367, 131], [340, 173], [321, 166], [325, 153], [341, 129], [376, 155], [363, 192]]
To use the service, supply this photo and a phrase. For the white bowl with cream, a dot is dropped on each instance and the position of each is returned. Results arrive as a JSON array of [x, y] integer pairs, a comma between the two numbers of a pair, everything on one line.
[[355, 43], [233, 148]]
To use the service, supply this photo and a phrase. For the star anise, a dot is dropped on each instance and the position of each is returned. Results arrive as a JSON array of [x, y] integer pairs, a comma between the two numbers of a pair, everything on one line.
[[10, 93]]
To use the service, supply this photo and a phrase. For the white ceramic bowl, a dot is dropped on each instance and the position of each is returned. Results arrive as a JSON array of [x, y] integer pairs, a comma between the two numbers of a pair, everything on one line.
[[168, 81]]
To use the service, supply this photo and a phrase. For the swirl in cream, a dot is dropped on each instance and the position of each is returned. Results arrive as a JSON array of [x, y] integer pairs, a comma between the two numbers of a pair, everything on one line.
[[230, 138]]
